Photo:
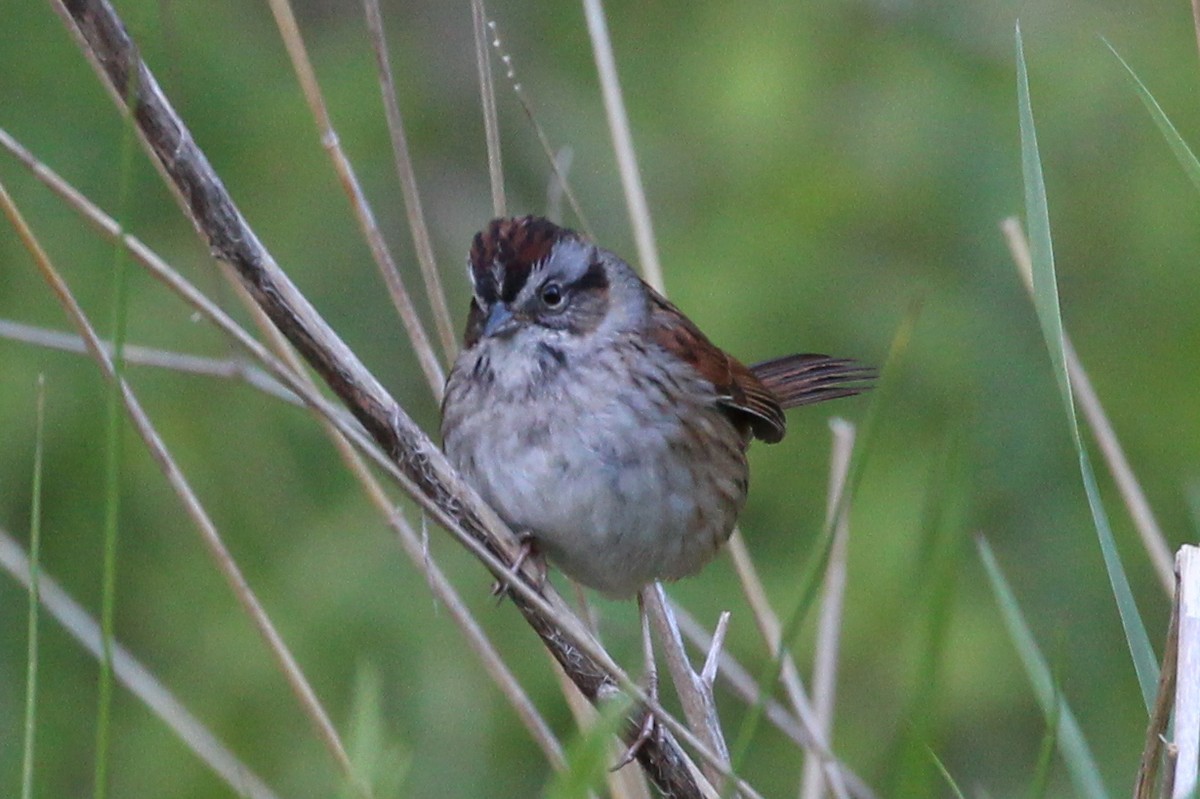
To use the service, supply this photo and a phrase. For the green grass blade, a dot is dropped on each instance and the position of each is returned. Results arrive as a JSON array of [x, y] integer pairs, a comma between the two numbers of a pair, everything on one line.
[[814, 568], [380, 762], [1187, 159], [35, 538], [1045, 761], [946, 775], [114, 435], [1081, 765], [589, 756], [1045, 299]]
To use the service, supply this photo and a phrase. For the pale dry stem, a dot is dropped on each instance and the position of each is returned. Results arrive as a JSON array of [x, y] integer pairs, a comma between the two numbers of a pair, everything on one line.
[[695, 695], [829, 627], [1153, 540], [134, 676], [1187, 682], [289, 31], [618, 125], [408, 183], [221, 368], [487, 100]]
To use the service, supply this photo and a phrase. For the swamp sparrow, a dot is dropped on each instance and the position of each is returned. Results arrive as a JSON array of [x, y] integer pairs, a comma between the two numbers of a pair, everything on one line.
[[598, 420]]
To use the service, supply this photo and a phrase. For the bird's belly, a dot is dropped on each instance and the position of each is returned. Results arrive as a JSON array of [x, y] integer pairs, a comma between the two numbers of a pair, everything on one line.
[[614, 498]]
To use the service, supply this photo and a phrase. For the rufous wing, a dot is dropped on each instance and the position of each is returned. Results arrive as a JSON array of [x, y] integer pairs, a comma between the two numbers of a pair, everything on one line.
[[755, 396]]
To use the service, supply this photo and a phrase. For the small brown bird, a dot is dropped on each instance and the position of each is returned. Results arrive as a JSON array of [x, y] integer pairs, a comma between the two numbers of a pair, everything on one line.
[[598, 420]]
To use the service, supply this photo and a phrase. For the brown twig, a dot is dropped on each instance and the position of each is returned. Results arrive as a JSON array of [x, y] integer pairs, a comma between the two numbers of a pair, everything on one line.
[[1161, 714]]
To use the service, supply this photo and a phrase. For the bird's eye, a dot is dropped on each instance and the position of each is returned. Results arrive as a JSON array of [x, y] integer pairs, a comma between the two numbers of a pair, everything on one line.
[[552, 295]]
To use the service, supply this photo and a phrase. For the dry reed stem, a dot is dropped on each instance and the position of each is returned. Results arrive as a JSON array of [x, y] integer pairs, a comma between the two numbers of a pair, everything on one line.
[[1160, 716], [696, 696], [743, 684], [766, 619], [1153, 540], [423, 471], [829, 626], [221, 368], [134, 676], [195, 511], [487, 100], [289, 31], [618, 126], [1187, 681], [408, 183]]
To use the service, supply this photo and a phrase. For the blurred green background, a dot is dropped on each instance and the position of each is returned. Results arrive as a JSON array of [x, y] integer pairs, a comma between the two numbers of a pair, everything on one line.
[[813, 170]]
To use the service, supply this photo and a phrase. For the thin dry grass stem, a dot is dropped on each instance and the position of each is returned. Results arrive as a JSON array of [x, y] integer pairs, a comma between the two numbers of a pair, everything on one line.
[[415, 547], [829, 626], [1187, 682], [695, 694], [487, 100], [134, 676], [554, 189], [1153, 540], [289, 31], [801, 731], [223, 368], [408, 183], [560, 182], [771, 631], [164, 273], [411, 458], [195, 511], [618, 125], [1160, 716], [765, 618]]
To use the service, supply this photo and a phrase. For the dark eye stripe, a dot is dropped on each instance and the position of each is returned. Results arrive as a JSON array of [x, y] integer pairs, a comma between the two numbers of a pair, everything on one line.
[[593, 278]]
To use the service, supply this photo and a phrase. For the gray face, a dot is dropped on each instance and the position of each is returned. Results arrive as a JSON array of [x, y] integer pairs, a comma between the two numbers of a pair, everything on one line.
[[567, 293]]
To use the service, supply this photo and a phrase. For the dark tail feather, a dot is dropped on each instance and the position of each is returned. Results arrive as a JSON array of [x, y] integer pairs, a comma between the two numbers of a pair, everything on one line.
[[808, 378]]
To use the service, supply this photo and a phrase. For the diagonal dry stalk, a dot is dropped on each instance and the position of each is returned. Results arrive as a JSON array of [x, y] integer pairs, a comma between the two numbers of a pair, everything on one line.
[[1153, 540], [136, 677], [408, 182]]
